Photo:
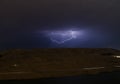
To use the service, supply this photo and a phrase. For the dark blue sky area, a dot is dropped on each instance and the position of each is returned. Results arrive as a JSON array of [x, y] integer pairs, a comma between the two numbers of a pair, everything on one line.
[[21, 20]]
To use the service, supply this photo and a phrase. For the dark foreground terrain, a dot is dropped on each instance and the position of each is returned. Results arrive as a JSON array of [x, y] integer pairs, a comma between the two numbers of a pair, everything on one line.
[[102, 78], [47, 63]]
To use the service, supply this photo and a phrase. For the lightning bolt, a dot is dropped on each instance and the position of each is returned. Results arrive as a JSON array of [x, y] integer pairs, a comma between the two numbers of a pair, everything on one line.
[[71, 34]]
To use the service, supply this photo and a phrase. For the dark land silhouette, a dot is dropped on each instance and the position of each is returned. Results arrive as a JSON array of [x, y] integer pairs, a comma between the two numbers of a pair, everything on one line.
[[56, 62]]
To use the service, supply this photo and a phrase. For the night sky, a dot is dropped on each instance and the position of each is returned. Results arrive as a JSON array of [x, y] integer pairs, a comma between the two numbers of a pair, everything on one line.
[[29, 23]]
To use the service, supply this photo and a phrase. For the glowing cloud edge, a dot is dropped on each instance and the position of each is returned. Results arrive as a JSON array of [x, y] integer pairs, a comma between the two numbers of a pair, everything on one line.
[[71, 33]]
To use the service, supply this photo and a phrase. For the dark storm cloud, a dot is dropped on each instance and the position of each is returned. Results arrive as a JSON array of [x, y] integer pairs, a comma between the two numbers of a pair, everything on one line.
[[35, 14]]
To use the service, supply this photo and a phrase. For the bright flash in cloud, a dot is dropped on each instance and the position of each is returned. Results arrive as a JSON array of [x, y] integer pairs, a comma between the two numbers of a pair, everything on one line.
[[61, 37]]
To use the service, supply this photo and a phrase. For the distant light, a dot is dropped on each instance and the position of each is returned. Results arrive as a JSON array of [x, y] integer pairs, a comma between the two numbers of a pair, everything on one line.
[[15, 65], [117, 57]]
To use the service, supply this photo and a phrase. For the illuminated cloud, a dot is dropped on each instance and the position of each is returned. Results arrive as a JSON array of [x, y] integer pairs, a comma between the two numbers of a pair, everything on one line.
[[61, 37]]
